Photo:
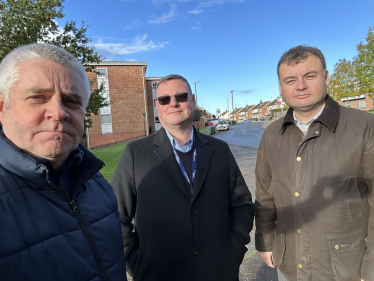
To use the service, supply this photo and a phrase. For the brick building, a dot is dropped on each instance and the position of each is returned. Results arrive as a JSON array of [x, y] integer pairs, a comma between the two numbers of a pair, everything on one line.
[[128, 114], [363, 102]]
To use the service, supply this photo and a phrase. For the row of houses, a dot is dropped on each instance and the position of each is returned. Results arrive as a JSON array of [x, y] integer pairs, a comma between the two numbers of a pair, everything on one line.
[[262, 110], [254, 111]]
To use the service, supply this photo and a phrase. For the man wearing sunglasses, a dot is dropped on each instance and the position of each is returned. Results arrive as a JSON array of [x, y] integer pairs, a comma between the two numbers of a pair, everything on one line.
[[185, 209]]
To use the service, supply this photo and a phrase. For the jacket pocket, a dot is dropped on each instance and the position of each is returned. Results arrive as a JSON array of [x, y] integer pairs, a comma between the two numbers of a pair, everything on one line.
[[279, 249], [346, 254], [353, 198], [238, 247]]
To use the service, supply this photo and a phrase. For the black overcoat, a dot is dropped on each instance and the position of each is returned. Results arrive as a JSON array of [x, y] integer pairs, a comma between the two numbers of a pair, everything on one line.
[[171, 234]]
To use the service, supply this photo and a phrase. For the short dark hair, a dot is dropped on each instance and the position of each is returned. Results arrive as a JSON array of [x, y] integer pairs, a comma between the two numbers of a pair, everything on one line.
[[300, 53], [173, 77]]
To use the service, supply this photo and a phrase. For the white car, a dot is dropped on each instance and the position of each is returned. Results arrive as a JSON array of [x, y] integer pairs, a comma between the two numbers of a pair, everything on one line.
[[222, 125]]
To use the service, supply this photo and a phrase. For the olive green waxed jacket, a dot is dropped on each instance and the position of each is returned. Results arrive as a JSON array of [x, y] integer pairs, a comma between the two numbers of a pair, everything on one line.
[[314, 196]]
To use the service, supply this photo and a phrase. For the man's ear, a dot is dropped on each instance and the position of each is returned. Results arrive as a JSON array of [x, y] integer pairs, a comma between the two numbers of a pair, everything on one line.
[[193, 99]]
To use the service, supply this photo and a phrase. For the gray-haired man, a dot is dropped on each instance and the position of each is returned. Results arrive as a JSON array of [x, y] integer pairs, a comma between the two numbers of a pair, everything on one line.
[[58, 215]]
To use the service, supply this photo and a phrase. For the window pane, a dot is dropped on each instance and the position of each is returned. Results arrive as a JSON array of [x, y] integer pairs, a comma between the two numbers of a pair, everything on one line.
[[106, 119], [101, 72], [362, 103]]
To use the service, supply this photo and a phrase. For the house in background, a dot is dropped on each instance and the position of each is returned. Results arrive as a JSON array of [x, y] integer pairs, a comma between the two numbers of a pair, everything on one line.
[[127, 115], [363, 102], [246, 113]]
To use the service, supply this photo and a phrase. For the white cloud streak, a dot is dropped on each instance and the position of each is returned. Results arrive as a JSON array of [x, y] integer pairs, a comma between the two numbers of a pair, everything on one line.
[[133, 24], [206, 4], [164, 18], [137, 45]]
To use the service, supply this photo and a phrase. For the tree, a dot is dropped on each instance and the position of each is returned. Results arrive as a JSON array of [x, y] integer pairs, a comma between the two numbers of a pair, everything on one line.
[[343, 82], [33, 21], [198, 114], [365, 63]]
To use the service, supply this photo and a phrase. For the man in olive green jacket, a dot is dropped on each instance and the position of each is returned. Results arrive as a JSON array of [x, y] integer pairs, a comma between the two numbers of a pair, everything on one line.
[[314, 174]]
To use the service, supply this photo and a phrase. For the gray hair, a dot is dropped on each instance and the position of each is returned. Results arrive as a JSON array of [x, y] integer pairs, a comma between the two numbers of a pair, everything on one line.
[[173, 77], [9, 65], [300, 53]]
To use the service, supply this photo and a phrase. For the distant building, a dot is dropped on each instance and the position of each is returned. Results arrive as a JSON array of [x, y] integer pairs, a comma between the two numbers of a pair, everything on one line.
[[363, 102]]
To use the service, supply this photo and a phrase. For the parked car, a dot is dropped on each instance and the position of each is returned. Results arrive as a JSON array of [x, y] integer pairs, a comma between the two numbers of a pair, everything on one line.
[[240, 121], [247, 121], [222, 125]]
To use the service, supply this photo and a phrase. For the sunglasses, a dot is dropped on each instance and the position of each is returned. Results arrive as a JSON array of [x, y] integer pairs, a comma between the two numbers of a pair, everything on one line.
[[164, 100]]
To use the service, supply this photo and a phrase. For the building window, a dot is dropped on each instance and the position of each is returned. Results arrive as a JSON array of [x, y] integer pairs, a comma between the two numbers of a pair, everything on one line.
[[102, 72], [362, 103], [106, 119]]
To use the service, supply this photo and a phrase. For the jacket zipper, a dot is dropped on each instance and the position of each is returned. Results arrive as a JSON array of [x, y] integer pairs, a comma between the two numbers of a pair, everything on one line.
[[82, 225]]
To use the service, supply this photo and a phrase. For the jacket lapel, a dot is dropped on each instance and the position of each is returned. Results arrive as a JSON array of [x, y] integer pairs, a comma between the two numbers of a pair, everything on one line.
[[165, 153], [204, 153]]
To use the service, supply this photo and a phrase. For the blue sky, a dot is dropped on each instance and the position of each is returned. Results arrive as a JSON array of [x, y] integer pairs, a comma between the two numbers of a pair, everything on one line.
[[225, 44]]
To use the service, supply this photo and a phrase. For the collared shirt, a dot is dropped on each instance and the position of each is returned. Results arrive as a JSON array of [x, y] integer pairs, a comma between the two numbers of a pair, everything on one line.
[[305, 126], [187, 146]]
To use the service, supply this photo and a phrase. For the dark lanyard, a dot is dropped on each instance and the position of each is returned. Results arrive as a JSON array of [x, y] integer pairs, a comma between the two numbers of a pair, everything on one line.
[[193, 164]]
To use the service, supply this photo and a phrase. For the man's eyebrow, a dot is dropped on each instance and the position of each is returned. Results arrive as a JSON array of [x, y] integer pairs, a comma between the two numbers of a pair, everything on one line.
[[288, 77], [72, 94], [310, 72], [41, 90]]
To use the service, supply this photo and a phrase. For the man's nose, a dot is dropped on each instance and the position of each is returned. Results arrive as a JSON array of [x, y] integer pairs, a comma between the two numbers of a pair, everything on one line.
[[301, 85], [56, 110], [173, 101]]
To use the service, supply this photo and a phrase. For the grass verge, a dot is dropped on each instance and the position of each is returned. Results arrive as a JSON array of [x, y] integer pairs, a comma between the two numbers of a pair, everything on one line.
[[110, 156]]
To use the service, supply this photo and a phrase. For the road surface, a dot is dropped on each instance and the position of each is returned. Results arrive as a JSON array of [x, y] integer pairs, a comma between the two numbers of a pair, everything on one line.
[[244, 140]]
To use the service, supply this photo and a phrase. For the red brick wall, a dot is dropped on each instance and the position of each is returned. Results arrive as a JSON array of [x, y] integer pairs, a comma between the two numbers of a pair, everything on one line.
[[150, 106], [128, 107], [356, 103]]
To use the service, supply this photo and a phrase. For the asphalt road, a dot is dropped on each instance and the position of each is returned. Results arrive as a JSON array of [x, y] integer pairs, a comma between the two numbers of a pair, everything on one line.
[[244, 140]]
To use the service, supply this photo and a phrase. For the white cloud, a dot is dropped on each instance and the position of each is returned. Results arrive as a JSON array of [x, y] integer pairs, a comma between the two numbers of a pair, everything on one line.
[[137, 45], [197, 26], [196, 11], [158, 2], [134, 23], [206, 4], [164, 18]]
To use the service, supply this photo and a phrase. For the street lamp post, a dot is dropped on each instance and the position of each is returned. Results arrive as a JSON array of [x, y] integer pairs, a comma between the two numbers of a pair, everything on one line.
[[198, 121], [228, 109]]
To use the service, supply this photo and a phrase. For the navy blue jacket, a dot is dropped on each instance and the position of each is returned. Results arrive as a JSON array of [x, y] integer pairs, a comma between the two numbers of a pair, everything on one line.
[[45, 235]]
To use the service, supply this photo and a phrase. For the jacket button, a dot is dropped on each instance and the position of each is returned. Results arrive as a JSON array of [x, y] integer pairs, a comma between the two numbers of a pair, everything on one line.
[[299, 266], [195, 251], [297, 194], [337, 247], [317, 132], [193, 211], [298, 231], [298, 159]]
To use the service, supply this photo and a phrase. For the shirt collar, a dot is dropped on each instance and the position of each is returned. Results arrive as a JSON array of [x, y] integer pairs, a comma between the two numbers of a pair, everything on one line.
[[186, 146], [329, 116], [297, 122]]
